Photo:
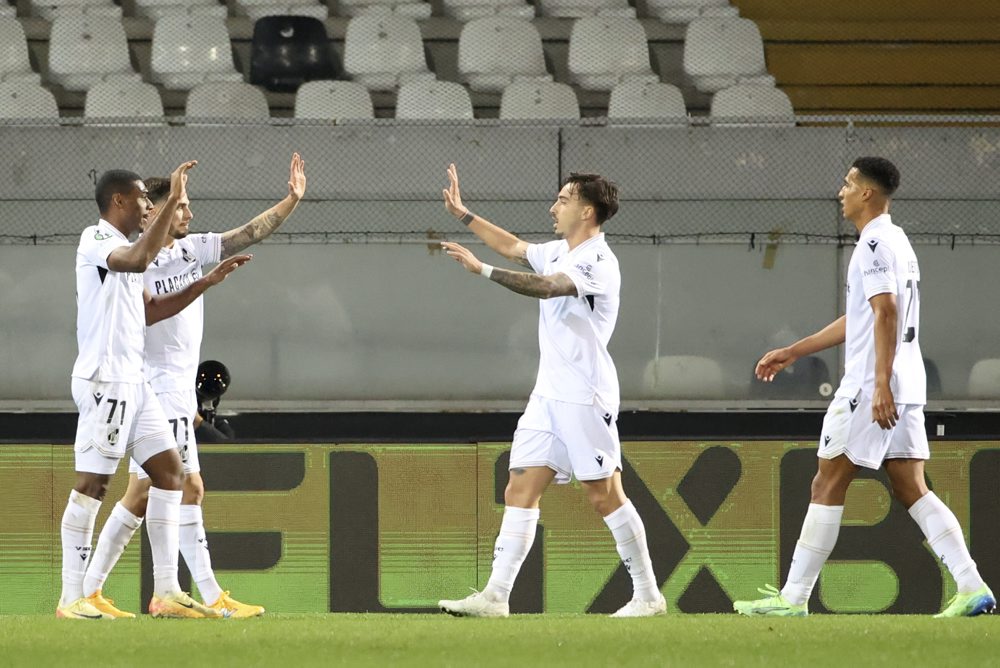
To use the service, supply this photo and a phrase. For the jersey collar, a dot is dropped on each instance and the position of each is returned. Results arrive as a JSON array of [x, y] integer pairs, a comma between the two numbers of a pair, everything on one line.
[[878, 222], [588, 242], [106, 226]]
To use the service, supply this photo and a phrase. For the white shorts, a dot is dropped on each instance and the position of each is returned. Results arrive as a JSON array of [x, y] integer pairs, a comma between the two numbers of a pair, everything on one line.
[[848, 430], [179, 407], [117, 419], [571, 439]]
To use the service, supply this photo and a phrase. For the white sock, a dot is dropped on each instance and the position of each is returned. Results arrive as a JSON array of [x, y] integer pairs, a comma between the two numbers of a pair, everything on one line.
[[630, 538], [517, 535], [943, 532], [819, 534], [162, 511], [77, 533], [194, 547], [117, 532]]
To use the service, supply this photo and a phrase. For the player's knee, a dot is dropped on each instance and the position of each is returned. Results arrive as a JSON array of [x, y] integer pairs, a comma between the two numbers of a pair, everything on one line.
[[95, 488], [194, 491]]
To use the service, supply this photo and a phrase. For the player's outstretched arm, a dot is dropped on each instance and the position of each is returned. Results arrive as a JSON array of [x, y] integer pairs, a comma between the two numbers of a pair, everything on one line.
[[136, 257], [264, 224], [521, 282], [162, 307], [498, 239], [780, 358]]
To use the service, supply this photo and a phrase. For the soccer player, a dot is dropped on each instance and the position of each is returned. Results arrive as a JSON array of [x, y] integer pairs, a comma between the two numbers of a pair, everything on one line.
[[569, 427], [877, 415], [173, 347], [119, 414]]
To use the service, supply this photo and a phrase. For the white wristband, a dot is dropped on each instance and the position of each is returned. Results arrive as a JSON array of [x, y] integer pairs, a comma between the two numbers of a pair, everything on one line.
[[487, 270]]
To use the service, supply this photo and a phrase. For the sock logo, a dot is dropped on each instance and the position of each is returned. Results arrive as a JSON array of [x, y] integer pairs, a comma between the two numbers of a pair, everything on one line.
[[84, 550]]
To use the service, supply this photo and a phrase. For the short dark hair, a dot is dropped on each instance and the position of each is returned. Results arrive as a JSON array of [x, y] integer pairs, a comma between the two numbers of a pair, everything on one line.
[[879, 171], [113, 182], [157, 188], [597, 191]]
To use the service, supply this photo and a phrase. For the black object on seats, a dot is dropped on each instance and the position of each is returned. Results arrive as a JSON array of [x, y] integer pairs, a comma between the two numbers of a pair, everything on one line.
[[287, 51]]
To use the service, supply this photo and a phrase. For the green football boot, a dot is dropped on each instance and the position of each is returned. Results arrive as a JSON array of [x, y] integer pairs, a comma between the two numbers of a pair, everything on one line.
[[773, 605], [980, 602]]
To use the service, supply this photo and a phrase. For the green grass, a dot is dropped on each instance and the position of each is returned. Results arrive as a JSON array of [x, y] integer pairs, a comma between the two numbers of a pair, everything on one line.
[[294, 641]]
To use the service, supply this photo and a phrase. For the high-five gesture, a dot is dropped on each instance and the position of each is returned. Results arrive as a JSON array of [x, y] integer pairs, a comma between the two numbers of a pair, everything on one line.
[[297, 179], [179, 178], [452, 194]]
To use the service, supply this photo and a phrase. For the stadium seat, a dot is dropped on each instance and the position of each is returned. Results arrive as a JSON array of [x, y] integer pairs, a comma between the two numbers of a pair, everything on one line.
[[579, 8], [49, 9], [257, 9], [85, 49], [984, 379], [719, 53], [468, 10], [333, 100], [226, 100], [751, 105], [7, 11], [134, 101], [414, 9], [25, 99], [188, 50], [433, 100], [154, 9], [803, 380], [384, 51], [683, 377], [539, 100], [685, 11], [287, 51], [14, 63], [604, 51], [643, 99], [497, 50]]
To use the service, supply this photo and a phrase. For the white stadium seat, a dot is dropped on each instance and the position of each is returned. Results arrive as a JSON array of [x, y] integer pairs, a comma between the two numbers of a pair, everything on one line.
[[495, 51], [433, 100], [154, 9], [188, 50], [751, 105], [468, 10], [580, 8], [333, 100], [719, 53], [642, 99], [226, 100], [685, 11], [14, 63], [49, 9], [414, 9], [256, 9], [384, 51], [24, 99], [540, 100], [85, 49], [133, 100], [604, 51], [984, 379]]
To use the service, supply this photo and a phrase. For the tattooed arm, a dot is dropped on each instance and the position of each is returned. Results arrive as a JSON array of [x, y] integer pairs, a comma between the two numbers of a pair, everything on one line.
[[264, 224], [498, 239], [521, 282]]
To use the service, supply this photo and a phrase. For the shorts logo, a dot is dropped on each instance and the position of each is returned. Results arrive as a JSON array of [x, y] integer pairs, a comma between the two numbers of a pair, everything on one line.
[[607, 419], [826, 440], [600, 460]]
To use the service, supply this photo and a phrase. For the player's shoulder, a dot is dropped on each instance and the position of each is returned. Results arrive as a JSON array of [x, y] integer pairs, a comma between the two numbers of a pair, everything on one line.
[[598, 251]]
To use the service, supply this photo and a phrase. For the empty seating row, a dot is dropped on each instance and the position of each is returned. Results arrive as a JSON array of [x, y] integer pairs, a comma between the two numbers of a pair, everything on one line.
[[127, 100], [382, 52], [673, 11]]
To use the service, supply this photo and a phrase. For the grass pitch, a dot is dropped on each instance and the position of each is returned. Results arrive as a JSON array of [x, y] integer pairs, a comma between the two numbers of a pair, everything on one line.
[[295, 641]]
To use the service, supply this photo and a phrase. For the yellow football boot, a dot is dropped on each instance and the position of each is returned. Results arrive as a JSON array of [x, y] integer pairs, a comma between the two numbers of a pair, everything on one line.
[[236, 610], [107, 606], [181, 606], [80, 609]]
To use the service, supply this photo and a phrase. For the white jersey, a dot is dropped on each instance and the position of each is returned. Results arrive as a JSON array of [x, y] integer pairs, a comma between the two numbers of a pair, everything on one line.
[[573, 332], [173, 346], [110, 311], [883, 262]]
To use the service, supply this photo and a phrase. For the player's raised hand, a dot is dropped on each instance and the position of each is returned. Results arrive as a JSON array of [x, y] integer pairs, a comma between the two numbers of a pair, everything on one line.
[[226, 267], [773, 362], [463, 256], [452, 194], [179, 177], [297, 178]]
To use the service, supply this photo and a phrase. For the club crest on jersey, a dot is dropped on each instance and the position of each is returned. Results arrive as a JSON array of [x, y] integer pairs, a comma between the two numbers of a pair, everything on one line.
[[113, 436], [873, 244], [100, 236]]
